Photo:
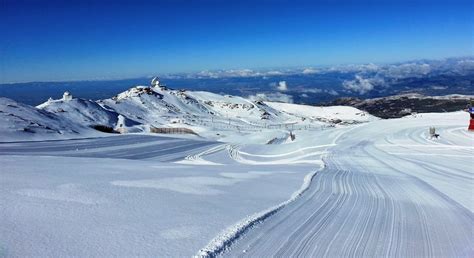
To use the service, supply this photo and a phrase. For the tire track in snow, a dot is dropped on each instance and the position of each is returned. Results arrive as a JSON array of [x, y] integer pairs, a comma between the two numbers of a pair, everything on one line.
[[119, 147], [223, 241], [199, 157], [350, 211], [281, 159]]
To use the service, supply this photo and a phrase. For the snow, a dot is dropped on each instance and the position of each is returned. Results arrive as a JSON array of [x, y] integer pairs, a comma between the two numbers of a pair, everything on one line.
[[343, 113], [349, 184], [211, 116], [381, 194], [20, 122], [189, 185], [60, 206], [234, 232], [87, 113]]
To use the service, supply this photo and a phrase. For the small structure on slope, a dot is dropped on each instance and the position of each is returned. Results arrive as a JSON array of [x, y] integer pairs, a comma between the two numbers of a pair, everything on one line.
[[67, 96], [120, 126], [292, 136], [433, 134], [171, 130], [155, 82]]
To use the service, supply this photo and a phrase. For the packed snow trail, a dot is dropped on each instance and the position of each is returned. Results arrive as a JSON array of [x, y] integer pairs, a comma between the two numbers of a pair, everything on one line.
[[368, 203], [71, 198], [388, 190], [120, 147]]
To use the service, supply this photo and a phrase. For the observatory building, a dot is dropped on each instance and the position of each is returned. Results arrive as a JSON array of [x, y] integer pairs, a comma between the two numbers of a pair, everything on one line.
[[67, 96], [155, 82]]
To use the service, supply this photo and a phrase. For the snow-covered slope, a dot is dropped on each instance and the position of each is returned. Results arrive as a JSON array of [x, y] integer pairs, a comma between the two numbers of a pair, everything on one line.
[[219, 117], [213, 116], [81, 111], [387, 189], [19, 122], [406, 104], [338, 114], [159, 105]]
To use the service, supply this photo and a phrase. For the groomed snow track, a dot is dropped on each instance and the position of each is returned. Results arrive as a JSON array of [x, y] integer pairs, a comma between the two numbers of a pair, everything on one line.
[[224, 240], [136, 147], [368, 203]]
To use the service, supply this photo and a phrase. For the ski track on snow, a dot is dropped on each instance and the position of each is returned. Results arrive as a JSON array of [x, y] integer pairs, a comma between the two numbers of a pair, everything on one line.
[[366, 205], [383, 196], [124, 147]]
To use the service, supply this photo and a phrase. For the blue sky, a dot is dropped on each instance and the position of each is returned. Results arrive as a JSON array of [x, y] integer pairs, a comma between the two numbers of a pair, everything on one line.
[[70, 40]]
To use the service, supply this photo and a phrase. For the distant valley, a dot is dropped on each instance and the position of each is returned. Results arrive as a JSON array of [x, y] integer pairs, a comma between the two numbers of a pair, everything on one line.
[[308, 85]]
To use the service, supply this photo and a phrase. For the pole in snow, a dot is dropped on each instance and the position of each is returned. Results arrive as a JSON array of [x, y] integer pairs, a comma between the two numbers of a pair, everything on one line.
[[471, 113]]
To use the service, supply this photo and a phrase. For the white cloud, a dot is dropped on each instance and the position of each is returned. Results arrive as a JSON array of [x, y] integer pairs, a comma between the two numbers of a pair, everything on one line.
[[235, 73], [318, 90], [310, 71], [463, 66], [407, 70], [282, 86], [362, 85], [389, 71], [435, 87], [273, 73], [332, 92], [277, 97], [312, 90], [361, 68]]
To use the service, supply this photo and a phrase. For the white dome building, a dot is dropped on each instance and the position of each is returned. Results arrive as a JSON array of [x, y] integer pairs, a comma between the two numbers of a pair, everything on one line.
[[67, 96], [155, 82]]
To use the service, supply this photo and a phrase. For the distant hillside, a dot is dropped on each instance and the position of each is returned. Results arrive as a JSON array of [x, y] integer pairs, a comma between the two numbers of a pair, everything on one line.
[[405, 104], [309, 86]]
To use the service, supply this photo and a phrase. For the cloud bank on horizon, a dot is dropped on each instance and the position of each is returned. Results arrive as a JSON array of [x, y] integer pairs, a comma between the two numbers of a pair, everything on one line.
[[304, 85], [365, 77]]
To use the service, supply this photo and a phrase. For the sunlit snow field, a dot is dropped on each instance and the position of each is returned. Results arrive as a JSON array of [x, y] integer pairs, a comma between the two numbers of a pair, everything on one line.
[[390, 191]]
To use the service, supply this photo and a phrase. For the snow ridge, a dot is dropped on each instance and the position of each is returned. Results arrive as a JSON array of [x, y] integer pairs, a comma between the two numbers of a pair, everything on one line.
[[227, 237]]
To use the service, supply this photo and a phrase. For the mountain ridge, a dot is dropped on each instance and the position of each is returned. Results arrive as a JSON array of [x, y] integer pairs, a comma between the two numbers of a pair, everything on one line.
[[210, 115], [405, 104]]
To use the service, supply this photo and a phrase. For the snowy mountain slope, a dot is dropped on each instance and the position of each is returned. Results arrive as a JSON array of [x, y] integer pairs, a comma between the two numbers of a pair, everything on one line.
[[19, 122], [381, 193], [405, 104], [216, 116], [237, 107], [83, 111], [159, 105], [209, 115], [326, 114]]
